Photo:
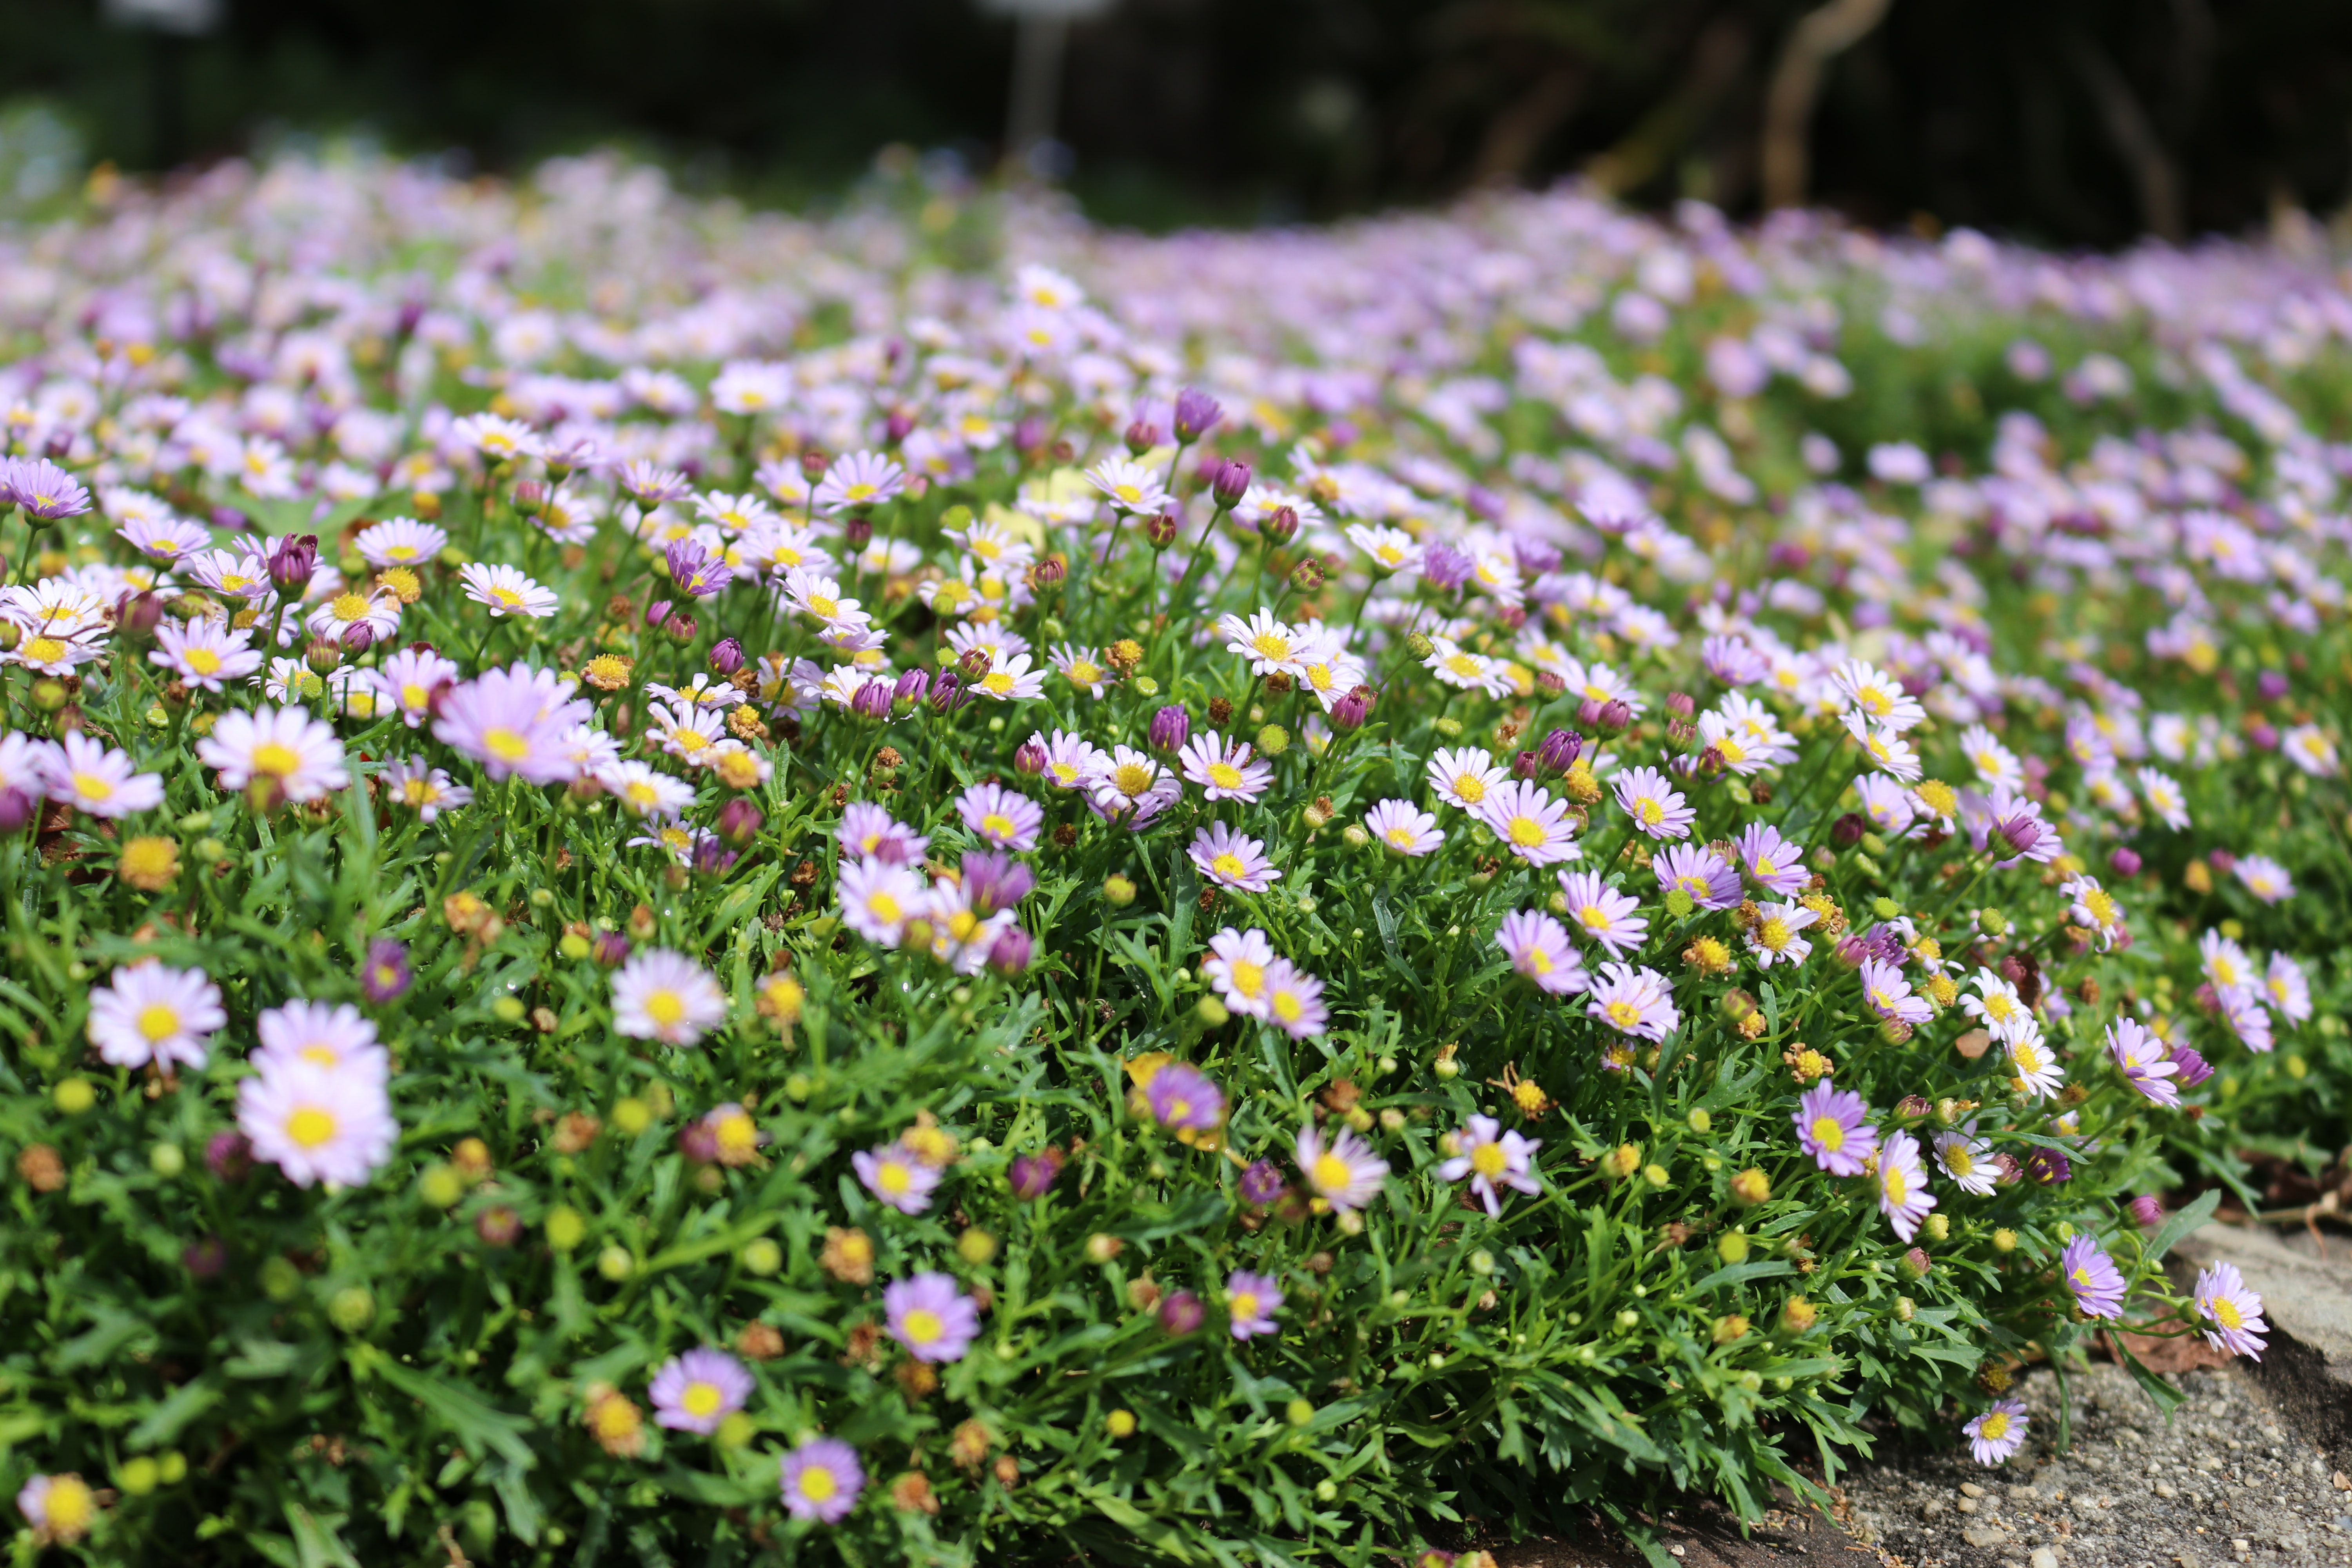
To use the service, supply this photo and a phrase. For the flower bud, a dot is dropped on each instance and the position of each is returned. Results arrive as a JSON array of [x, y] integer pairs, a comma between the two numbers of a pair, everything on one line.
[[1119, 890], [727, 657], [681, 628], [1350, 711], [1273, 740], [1732, 1246], [858, 532], [739, 821], [1279, 526], [1751, 1186], [1011, 953], [498, 1226], [1229, 483], [1102, 1248], [656, 612], [1029, 760], [1916, 1264], [1182, 1314], [2126, 861], [1140, 437], [1196, 414], [529, 498], [1161, 529], [1847, 830], [292, 563], [1798, 1316], [1033, 1175], [1560, 750], [137, 614], [1170, 727]]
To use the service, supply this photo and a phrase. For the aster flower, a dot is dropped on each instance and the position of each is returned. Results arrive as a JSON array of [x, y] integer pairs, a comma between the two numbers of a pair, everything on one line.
[[2093, 908], [2308, 748], [1602, 913], [1457, 667], [1656, 805], [373, 611], [2096, 1284], [2145, 1062], [2241, 1009], [644, 793], [1392, 549], [858, 481], [1230, 860], [2035, 1064], [1834, 1126], [1271, 647], [894, 1174], [1999, 1008], [1294, 1000], [1889, 752], [822, 1479], [1345, 1174], [1128, 485], [334, 1036], [1539, 947], [1774, 936], [2266, 878], [1465, 776], [45, 491], [664, 995], [931, 1317], [59, 1508], [1697, 872], [1182, 1097], [1081, 666], [204, 654], [1968, 1160], [154, 1015], [1633, 1001], [298, 755], [506, 591], [1404, 829], [423, 788], [1226, 770], [316, 1124], [1237, 965], [1999, 1432], [1251, 1302], [2231, 1313], [1994, 762], [1889, 994], [1492, 1159], [1903, 1195], [1776, 865], [407, 680], [399, 542], [1872, 693], [97, 779], [1535, 827], [2288, 991], [1011, 681], [870, 832], [513, 721], [697, 1391], [999, 817], [878, 898]]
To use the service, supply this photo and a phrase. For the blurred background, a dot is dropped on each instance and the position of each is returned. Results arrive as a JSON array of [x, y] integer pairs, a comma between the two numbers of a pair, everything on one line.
[[2068, 121]]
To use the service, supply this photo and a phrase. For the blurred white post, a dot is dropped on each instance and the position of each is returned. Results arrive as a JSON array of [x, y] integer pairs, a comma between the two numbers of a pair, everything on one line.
[[1041, 29]]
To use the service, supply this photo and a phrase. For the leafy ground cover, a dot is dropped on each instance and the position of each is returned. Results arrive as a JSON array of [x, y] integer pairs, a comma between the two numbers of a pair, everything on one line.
[[683, 886]]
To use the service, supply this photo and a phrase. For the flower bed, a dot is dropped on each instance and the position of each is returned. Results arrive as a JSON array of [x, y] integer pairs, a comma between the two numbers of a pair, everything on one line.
[[939, 885]]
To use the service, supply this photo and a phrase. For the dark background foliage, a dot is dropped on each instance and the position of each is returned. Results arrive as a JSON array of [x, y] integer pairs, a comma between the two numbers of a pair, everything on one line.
[[2078, 121]]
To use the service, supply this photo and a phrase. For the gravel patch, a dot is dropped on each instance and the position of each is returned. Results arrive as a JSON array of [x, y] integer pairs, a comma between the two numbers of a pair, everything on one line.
[[2227, 1480]]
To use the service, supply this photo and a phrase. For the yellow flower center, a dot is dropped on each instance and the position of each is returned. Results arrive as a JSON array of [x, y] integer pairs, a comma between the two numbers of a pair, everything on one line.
[[1470, 787], [1468, 665], [1960, 1162], [1229, 865], [1994, 1427], [883, 907], [43, 650], [310, 1125], [1829, 1132], [1625, 1015], [69, 1506], [92, 786], [159, 1021], [1288, 1006], [1131, 778], [349, 607], [1774, 934], [666, 1008], [1400, 837], [996, 824], [202, 661], [1248, 978], [507, 745], [1898, 1186], [1225, 776], [1330, 1172], [1271, 645], [1489, 1159], [276, 758], [923, 1326], [1085, 672], [817, 1484], [701, 1399], [1650, 812], [506, 598], [2226, 1313], [997, 683], [1527, 832]]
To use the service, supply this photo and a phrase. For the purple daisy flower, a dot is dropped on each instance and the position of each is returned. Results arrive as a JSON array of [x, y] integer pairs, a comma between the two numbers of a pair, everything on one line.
[[1251, 1302], [1834, 1127], [931, 1316], [697, 1391], [2233, 1314], [2096, 1283], [1999, 1432], [822, 1479], [1181, 1096]]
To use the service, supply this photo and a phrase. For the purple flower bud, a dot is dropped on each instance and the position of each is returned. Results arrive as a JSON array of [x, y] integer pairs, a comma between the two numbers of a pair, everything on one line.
[[1847, 830], [2021, 832], [858, 531], [1526, 765], [1279, 526], [657, 611], [292, 563], [2223, 862], [2193, 1069], [529, 498], [897, 426], [1012, 952], [680, 628], [18, 807], [727, 657], [1029, 759], [1350, 711], [1559, 751], [2262, 735], [205, 1259], [2126, 861], [2049, 1167], [1917, 1263], [1483, 503], [2271, 685], [911, 689], [1141, 437], [2147, 1210], [1033, 1175], [384, 976], [1029, 435], [1262, 1184], [699, 1141], [1182, 1314], [949, 693], [358, 638], [136, 613], [609, 948], [713, 857], [2006, 1169], [228, 1155], [1197, 414], [872, 700], [994, 881], [1680, 705], [1230, 483], [228, 519], [1161, 529], [1549, 682], [1912, 1107], [739, 821], [1170, 727]]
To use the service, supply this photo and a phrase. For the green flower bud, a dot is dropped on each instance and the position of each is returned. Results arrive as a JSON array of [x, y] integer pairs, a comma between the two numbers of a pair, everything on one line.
[[615, 1264], [509, 1009], [1732, 1246], [1299, 1413], [440, 1185], [167, 1160], [138, 1476], [172, 1467], [350, 1309], [762, 1256], [73, 1095], [1273, 740], [566, 1228], [280, 1279], [1119, 890]]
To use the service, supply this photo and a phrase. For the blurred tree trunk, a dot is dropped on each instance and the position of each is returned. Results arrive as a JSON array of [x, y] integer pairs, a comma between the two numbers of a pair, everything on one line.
[[1820, 37]]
